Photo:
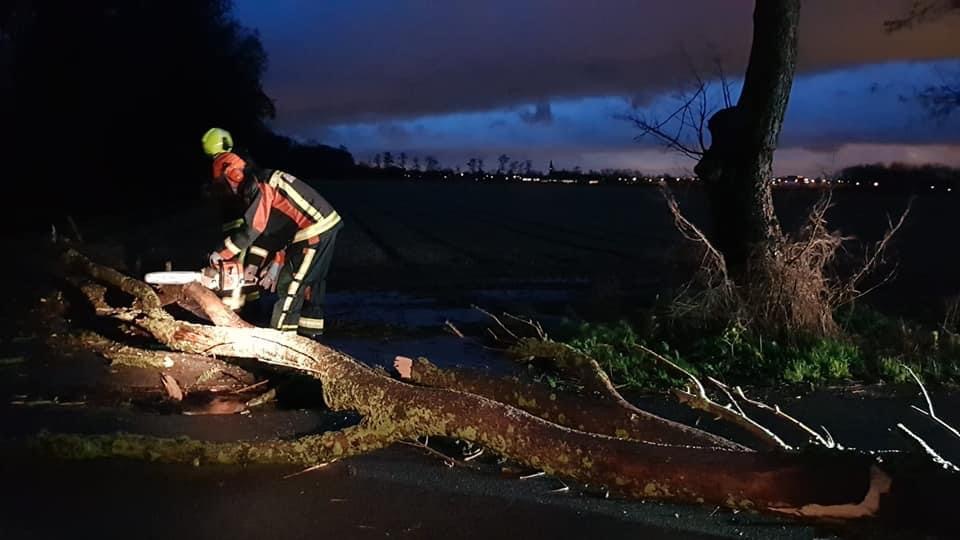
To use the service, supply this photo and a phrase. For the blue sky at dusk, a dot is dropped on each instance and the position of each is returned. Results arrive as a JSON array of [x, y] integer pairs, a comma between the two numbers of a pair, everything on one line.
[[548, 79]]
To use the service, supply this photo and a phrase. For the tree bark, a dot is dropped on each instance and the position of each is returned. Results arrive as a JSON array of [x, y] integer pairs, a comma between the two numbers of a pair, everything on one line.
[[818, 484], [737, 168], [594, 414]]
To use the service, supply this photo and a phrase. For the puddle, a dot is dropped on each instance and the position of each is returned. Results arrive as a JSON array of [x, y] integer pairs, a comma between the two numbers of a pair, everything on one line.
[[420, 312]]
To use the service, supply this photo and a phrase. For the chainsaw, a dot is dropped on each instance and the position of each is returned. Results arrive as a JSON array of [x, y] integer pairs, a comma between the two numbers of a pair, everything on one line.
[[226, 277]]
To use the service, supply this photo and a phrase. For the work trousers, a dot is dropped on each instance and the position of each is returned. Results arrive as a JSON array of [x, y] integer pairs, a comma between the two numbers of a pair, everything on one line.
[[302, 285]]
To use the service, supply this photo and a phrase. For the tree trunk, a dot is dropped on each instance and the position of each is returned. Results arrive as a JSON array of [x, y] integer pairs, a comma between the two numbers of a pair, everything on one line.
[[737, 168], [818, 484]]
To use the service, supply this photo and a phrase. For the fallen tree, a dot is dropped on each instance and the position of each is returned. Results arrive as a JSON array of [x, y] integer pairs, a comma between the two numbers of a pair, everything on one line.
[[595, 437]]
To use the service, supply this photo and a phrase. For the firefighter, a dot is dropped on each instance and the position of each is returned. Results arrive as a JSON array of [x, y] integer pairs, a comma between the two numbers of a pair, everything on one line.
[[216, 141], [281, 211]]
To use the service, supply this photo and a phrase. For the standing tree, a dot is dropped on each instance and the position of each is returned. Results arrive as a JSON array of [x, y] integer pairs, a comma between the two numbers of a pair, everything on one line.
[[416, 163], [775, 282], [403, 160], [503, 160], [377, 160], [164, 70], [387, 160], [737, 167], [472, 165], [431, 163]]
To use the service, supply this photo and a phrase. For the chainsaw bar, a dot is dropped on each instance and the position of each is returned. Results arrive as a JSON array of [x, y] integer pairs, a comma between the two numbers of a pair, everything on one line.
[[172, 278]]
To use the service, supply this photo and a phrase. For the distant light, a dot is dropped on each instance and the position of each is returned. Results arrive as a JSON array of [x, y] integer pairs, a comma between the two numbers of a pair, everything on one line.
[[858, 183], [949, 189], [876, 184], [931, 187]]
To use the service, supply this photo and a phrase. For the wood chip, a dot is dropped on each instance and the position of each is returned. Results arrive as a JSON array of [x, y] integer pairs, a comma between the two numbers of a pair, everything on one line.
[[172, 387]]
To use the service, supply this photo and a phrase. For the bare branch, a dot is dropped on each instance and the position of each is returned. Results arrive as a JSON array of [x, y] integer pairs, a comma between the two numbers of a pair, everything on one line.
[[927, 449], [827, 442], [702, 401], [922, 11], [930, 412], [537, 328], [453, 329], [848, 292], [693, 233], [498, 321]]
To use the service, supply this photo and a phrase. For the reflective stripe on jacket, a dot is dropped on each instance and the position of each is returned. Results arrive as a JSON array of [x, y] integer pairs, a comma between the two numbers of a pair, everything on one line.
[[284, 208]]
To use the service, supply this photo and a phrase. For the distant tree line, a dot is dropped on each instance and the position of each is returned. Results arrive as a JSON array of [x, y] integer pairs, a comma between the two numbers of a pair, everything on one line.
[[104, 101]]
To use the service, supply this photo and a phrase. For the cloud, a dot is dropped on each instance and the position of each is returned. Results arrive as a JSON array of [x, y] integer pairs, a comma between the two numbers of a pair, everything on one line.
[[393, 133], [541, 114], [334, 62]]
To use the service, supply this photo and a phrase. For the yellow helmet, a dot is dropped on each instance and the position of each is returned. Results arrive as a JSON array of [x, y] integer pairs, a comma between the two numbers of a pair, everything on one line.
[[216, 141]]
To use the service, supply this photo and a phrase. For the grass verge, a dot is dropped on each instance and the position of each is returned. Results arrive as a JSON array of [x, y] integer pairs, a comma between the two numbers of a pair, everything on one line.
[[874, 349]]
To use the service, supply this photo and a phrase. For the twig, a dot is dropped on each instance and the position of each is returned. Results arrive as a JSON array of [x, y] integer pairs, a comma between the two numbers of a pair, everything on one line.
[[827, 442], [694, 234], [533, 475], [497, 320], [309, 469], [531, 323], [563, 489], [726, 391], [703, 402], [456, 331], [930, 412], [251, 387], [701, 391], [76, 230], [447, 460], [874, 259], [928, 450]]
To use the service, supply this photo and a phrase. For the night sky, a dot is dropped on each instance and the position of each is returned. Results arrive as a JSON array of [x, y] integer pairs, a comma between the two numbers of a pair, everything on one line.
[[547, 79]]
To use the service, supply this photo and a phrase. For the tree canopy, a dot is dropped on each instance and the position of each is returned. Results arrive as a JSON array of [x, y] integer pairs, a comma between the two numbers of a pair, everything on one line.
[[108, 98]]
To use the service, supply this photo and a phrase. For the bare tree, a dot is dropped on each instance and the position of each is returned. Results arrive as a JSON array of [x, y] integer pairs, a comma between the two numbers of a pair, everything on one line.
[[416, 163], [503, 160], [772, 280], [377, 160], [387, 160], [431, 163], [472, 165]]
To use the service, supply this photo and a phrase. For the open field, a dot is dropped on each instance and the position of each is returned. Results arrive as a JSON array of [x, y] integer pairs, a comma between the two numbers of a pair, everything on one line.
[[428, 235]]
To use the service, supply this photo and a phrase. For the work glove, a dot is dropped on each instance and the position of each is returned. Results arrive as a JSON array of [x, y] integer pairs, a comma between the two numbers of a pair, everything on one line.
[[215, 259], [269, 276]]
